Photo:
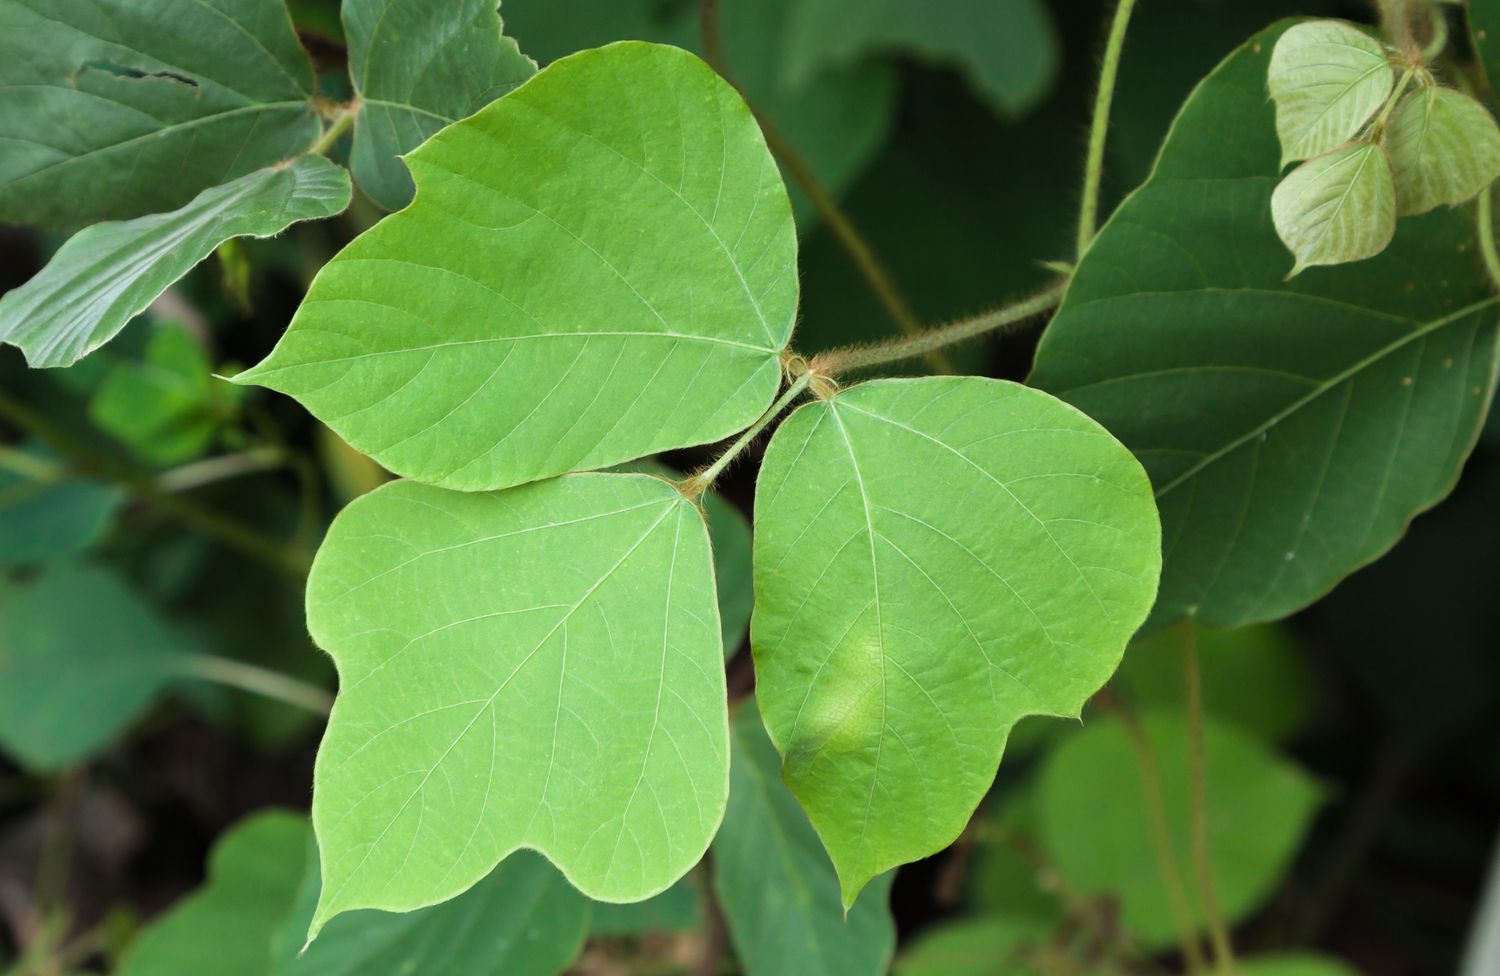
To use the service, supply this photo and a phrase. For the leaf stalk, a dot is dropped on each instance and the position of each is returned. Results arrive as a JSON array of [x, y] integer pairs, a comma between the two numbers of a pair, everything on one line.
[[1093, 169]]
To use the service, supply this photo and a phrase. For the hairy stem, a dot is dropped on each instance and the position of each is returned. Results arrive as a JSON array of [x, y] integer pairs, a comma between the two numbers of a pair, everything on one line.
[[258, 680], [343, 118], [703, 480], [1487, 235], [1208, 894], [1093, 169], [837, 361]]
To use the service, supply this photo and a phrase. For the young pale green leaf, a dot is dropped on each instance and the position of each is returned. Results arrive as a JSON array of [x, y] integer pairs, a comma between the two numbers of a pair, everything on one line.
[[779, 892], [523, 919], [80, 657], [1291, 429], [598, 266], [109, 273], [1327, 79], [998, 946], [227, 925], [1009, 51], [539, 667], [1444, 149], [1337, 208], [935, 559], [166, 406], [1093, 817], [112, 109], [418, 66], [48, 515]]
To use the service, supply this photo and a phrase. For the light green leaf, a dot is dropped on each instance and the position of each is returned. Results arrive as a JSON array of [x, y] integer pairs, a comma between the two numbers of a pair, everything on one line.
[[524, 919], [45, 517], [1291, 429], [500, 330], [418, 66], [1444, 149], [897, 638], [1093, 818], [1008, 50], [165, 407], [1337, 208], [227, 925], [1294, 964], [1327, 79], [96, 94], [977, 947], [779, 892], [539, 668], [108, 274], [80, 657]]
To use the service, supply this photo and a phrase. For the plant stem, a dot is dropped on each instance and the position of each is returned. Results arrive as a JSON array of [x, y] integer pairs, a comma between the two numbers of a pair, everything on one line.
[[1093, 170], [700, 482], [1208, 894], [258, 680], [1486, 220], [342, 120], [209, 470], [712, 37], [28, 466], [837, 361]]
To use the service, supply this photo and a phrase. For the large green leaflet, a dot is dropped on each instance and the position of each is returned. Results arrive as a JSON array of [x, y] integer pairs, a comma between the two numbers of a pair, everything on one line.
[[106, 275], [935, 559], [227, 926], [1008, 48], [94, 93], [598, 266], [779, 893], [539, 667], [1291, 429], [418, 66], [1094, 819]]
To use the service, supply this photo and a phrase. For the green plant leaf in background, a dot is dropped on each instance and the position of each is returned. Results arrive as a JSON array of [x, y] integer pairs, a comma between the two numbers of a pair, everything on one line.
[[539, 667], [779, 892], [106, 275], [1291, 430], [896, 637], [977, 947], [227, 925], [418, 66], [1484, 31], [1337, 208], [166, 406], [1093, 818], [80, 657], [525, 318], [678, 909], [523, 919], [1444, 148], [1293, 964], [206, 92], [1327, 79], [48, 514], [1008, 50]]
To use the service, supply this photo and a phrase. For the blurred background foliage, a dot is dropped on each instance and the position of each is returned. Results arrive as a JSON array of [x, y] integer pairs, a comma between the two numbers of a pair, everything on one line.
[[155, 523]]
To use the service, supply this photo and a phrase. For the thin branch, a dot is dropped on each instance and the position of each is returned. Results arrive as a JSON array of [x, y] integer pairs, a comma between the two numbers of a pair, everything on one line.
[[1487, 235], [1208, 893], [258, 680], [1093, 170], [196, 474], [703, 480], [343, 118]]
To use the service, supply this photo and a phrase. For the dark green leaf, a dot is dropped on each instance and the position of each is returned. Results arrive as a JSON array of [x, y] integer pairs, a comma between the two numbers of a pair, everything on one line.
[[48, 514]]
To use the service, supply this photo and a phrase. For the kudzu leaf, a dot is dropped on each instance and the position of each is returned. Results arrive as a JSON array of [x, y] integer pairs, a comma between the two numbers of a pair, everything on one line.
[[417, 66], [81, 657], [1327, 79], [523, 919], [1293, 964], [1008, 51], [678, 909], [934, 559], [539, 667], [1444, 149], [999, 946], [774, 881], [227, 925], [166, 406], [94, 94], [1291, 429], [107, 274], [49, 518], [598, 266], [1337, 208], [1093, 816]]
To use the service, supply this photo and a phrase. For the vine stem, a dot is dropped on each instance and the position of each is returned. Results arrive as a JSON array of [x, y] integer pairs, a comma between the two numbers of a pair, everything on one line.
[[841, 360], [1093, 170], [28, 466], [258, 680], [703, 480], [343, 118], [1487, 235], [196, 474], [1208, 894]]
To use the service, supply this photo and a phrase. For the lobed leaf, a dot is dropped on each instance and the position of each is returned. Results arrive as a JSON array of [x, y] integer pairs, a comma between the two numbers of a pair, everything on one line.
[[417, 66], [526, 317], [107, 274], [94, 93], [1444, 149], [538, 668], [1291, 429], [1327, 79], [934, 559], [1337, 208]]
